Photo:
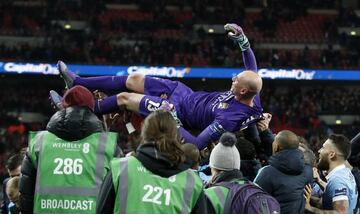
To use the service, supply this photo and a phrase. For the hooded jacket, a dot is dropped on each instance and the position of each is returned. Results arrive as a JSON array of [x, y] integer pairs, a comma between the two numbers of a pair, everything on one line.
[[155, 162], [72, 123], [285, 179]]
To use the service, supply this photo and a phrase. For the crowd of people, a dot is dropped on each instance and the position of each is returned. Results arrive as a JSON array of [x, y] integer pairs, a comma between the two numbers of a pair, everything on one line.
[[111, 37]]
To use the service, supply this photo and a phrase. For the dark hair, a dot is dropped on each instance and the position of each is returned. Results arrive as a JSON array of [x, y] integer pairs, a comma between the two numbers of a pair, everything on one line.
[[246, 149], [342, 143], [191, 152], [160, 127], [14, 162]]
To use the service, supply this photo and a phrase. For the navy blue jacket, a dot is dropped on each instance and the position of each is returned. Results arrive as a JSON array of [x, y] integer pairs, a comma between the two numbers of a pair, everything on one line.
[[285, 179]]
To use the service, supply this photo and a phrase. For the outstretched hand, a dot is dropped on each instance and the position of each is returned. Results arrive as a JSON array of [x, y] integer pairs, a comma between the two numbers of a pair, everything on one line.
[[264, 124], [236, 33]]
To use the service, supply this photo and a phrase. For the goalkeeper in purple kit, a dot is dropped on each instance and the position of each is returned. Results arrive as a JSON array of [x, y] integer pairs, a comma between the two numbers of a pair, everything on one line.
[[213, 113]]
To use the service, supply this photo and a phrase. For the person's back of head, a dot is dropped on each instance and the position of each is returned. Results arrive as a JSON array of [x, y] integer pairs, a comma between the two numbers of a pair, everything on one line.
[[160, 127], [246, 149], [13, 165], [192, 154], [12, 190], [78, 96], [309, 157], [77, 119], [285, 140], [225, 156]]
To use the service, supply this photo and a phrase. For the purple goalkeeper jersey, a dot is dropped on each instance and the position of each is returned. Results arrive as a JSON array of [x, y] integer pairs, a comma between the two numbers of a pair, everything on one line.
[[198, 110]]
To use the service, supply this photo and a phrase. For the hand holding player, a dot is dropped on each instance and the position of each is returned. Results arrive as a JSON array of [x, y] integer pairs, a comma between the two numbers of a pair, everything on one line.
[[166, 106], [307, 196], [264, 124], [236, 33]]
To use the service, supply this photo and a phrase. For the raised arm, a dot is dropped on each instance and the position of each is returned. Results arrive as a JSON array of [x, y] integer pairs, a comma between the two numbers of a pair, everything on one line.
[[210, 134], [236, 33]]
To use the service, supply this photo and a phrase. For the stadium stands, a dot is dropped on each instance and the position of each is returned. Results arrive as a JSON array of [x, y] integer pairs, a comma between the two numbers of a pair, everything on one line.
[[104, 37]]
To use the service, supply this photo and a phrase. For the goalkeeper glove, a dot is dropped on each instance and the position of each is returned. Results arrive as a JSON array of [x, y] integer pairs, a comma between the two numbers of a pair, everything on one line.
[[236, 33]]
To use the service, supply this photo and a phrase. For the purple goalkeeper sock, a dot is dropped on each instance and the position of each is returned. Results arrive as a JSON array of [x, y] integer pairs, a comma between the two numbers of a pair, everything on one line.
[[108, 84], [249, 60], [107, 105]]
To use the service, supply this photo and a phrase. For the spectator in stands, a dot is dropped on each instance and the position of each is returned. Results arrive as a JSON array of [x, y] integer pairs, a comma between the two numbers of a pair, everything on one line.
[[287, 166], [67, 161], [12, 191], [13, 166], [340, 194], [158, 166]]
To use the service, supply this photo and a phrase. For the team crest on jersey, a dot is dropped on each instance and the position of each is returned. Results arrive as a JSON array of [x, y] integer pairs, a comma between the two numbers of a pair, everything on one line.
[[223, 105]]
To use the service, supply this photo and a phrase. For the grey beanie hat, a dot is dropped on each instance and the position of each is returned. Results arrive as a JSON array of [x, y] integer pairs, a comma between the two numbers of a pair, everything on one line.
[[225, 156]]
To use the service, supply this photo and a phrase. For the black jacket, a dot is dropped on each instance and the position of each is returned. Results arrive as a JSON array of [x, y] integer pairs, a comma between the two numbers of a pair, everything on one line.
[[5, 200], [72, 123], [285, 179], [158, 164]]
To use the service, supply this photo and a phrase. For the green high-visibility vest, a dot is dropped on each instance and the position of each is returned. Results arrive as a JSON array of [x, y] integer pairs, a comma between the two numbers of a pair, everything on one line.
[[218, 196], [69, 174], [140, 191]]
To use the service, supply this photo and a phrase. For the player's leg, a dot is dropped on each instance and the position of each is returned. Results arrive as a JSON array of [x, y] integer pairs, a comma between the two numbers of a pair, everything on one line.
[[107, 84], [135, 102]]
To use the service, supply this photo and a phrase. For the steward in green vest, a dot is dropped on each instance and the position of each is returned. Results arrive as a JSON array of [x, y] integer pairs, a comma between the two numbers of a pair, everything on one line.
[[64, 166], [156, 179]]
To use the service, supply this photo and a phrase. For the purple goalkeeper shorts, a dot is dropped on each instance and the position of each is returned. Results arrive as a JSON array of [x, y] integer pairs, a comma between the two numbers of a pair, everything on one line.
[[172, 91]]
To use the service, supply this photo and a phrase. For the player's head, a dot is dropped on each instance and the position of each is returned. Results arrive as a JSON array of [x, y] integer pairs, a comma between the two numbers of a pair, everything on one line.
[[246, 84], [160, 128], [335, 148]]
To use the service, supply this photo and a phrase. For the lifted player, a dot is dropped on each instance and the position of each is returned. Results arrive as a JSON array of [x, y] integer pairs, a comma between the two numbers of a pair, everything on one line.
[[213, 113]]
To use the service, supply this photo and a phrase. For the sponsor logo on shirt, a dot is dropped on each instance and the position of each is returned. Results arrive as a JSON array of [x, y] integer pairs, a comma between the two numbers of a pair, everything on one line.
[[341, 191], [249, 120], [221, 99], [223, 105]]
